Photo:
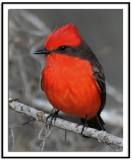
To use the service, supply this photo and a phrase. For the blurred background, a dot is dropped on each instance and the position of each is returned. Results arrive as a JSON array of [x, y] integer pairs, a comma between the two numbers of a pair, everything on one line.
[[103, 32]]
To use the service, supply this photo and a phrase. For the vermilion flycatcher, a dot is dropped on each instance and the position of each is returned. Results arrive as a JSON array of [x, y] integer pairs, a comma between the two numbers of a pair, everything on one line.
[[73, 79]]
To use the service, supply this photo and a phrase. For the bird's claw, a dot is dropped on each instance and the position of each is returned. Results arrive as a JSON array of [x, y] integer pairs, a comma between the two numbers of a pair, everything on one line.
[[53, 117], [84, 125]]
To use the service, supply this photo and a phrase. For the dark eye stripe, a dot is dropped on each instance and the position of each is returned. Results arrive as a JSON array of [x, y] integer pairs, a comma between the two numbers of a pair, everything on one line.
[[62, 48]]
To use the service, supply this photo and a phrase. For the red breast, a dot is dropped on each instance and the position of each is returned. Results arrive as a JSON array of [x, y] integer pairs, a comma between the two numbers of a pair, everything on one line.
[[70, 86]]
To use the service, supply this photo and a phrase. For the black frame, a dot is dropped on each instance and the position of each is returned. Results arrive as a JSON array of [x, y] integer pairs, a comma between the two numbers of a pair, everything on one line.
[[2, 15]]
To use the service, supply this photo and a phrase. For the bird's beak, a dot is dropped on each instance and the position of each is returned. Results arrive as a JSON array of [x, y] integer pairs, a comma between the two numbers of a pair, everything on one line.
[[42, 51]]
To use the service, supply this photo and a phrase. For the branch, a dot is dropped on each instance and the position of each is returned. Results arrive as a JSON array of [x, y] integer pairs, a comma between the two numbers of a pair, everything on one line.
[[101, 136], [117, 121]]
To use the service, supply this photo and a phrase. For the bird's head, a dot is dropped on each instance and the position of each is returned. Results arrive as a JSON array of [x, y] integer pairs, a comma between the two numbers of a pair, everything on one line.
[[60, 39]]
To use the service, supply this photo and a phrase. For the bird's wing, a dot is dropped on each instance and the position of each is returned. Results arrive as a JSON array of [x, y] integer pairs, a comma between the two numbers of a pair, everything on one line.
[[100, 79]]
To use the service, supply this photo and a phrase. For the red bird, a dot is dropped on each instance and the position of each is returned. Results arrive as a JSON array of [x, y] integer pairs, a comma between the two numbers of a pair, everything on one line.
[[73, 79]]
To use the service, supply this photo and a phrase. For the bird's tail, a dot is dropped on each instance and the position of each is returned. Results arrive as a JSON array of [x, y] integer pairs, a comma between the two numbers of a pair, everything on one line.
[[96, 122]]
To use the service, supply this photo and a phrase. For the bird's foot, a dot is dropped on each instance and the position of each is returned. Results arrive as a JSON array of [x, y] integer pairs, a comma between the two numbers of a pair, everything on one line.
[[84, 125], [53, 115]]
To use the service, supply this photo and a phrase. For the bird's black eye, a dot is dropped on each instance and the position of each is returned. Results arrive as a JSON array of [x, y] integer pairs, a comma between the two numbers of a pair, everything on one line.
[[62, 48]]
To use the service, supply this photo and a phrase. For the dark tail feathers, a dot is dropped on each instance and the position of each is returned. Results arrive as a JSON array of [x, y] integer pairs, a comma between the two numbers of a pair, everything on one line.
[[96, 122]]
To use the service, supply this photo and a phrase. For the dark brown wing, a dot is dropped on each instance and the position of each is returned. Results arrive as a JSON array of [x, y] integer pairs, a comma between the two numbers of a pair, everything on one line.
[[98, 73], [100, 79]]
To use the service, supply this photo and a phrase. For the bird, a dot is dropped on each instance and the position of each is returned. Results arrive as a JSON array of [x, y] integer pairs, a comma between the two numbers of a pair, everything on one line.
[[73, 79]]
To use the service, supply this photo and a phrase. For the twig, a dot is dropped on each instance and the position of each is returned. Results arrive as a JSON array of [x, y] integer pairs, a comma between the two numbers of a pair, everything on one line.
[[45, 136], [14, 99], [12, 135], [101, 136], [43, 104]]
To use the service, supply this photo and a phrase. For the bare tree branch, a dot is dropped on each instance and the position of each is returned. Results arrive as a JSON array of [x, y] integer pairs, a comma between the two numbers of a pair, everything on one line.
[[43, 104], [101, 136]]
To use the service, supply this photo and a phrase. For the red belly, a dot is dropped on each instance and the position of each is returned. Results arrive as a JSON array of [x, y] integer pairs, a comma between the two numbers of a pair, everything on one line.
[[70, 86]]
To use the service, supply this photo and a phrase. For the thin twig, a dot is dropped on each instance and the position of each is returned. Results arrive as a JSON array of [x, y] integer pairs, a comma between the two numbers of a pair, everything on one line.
[[101, 136], [12, 135]]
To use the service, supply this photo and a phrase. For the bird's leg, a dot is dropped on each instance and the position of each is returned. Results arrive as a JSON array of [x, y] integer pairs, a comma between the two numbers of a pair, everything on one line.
[[53, 115], [85, 124]]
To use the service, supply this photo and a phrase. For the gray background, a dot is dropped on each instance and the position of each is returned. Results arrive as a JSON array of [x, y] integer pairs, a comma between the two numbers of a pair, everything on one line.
[[103, 32]]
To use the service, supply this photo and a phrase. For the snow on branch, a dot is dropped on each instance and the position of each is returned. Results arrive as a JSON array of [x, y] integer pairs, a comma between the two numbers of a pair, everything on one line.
[[101, 136]]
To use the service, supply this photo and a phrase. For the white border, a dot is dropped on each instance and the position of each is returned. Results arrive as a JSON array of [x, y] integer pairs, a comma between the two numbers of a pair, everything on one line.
[[125, 78]]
